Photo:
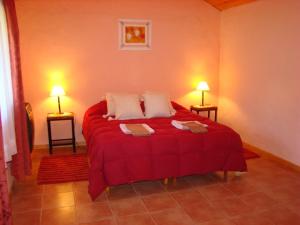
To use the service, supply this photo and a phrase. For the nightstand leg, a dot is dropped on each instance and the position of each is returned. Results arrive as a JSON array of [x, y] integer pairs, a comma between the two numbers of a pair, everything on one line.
[[216, 115], [73, 136], [208, 112], [49, 136]]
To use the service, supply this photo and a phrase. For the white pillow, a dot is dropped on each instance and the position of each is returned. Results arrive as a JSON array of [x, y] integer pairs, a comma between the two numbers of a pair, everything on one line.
[[157, 105], [111, 111], [173, 111], [127, 106]]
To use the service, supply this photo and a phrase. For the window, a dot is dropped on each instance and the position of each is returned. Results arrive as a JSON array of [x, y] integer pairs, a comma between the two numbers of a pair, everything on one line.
[[6, 93]]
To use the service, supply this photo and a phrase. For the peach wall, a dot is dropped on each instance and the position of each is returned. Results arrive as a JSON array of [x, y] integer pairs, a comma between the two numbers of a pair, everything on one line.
[[260, 75], [76, 42]]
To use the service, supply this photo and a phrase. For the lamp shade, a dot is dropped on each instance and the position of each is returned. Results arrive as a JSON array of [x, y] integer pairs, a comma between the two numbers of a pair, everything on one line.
[[57, 91], [203, 86]]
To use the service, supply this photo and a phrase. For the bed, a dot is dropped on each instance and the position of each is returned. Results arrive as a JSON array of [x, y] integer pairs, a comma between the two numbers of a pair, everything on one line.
[[116, 158]]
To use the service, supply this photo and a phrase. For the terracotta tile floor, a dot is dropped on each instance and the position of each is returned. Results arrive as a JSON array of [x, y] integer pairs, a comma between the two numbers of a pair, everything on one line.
[[267, 195]]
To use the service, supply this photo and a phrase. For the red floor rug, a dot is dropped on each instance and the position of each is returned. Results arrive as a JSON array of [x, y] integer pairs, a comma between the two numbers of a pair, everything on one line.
[[63, 168], [249, 154]]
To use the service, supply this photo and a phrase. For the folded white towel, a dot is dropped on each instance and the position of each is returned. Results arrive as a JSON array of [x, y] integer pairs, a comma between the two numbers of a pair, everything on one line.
[[126, 131], [179, 124]]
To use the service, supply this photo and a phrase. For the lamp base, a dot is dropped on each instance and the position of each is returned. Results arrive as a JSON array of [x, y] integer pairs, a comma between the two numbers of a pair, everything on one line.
[[204, 105]]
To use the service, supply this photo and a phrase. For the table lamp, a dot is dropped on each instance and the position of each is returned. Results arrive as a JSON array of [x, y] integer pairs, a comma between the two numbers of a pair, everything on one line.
[[202, 86], [58, 91]]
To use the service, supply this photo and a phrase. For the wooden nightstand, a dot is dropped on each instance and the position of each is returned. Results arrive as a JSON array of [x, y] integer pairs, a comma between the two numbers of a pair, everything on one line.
[[58, 142], [205, 108]]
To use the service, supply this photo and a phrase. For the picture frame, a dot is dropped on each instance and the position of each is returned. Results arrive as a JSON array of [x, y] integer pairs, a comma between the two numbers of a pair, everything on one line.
[[134, 34]]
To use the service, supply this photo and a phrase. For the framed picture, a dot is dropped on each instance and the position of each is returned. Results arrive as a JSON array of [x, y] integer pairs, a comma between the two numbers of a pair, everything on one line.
[[134, 34]]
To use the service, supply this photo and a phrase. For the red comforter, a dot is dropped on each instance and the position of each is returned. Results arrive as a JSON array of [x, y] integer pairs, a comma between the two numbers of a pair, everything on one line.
[[117, 158]]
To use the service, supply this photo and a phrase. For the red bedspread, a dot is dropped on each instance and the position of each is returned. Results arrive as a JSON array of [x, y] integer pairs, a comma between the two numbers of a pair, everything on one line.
[[117, 158]]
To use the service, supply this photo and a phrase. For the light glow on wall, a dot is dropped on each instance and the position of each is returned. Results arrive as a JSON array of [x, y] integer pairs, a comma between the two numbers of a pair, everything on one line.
[[56, 79], [193, 96]]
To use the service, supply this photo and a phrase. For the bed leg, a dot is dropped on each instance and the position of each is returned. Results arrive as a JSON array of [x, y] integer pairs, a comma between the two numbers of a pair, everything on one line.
[[174, 180], [166, 180], [225, 175], [107, 189], [238, 173]]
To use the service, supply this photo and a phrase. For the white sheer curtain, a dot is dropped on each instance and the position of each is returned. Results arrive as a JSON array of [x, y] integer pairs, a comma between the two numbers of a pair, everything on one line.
[[6, 94]]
